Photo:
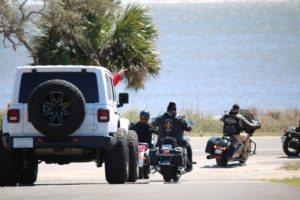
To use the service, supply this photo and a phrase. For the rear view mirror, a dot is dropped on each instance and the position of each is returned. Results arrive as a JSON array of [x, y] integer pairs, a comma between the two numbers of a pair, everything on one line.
[[123, 98]]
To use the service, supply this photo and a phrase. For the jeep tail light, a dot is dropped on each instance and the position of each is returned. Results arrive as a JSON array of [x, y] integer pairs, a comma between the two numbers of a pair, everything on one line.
[[103, 115], [13, 115]]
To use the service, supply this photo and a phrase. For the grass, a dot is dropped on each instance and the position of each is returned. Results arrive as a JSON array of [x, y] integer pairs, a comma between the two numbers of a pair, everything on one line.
[[272, 120], [291, 181], [292, 167]]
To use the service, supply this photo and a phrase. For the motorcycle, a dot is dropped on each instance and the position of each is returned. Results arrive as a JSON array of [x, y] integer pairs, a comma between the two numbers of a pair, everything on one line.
[[170, 160], [227, 149], [143, 161], [291, 141]]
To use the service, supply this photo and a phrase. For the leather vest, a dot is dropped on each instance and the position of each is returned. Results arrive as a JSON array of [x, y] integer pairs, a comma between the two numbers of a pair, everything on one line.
[[231, 125]]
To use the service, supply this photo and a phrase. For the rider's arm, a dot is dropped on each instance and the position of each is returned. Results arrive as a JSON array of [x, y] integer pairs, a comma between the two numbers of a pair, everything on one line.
[[185, 125], [253, 125]]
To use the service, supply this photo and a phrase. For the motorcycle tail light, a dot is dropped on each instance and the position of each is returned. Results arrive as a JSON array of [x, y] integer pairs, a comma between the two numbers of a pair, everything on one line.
[[222, 148], [165, 152], [285, 131]]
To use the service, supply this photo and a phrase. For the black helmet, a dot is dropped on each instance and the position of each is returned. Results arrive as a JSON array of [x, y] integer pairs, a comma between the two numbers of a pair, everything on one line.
[[235, 109], [172, 107], [144, 114]]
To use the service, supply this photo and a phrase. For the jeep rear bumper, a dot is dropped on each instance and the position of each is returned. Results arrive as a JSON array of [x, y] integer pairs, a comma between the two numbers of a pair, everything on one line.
[[86, 142]]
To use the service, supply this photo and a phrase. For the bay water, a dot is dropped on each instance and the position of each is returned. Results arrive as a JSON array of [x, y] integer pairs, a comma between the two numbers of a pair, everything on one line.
[[212, 56]]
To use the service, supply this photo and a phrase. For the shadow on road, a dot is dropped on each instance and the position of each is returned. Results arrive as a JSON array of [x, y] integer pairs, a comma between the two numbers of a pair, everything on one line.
[[290, 157], [56, 184], [228, 166]]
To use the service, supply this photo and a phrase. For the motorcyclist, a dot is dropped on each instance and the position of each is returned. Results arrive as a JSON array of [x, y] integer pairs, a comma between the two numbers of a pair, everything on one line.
[[177, 124], [235, 125], [143, 129]]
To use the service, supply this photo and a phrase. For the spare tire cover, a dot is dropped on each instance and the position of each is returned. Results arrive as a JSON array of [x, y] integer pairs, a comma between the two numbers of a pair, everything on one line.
[[56, 108]]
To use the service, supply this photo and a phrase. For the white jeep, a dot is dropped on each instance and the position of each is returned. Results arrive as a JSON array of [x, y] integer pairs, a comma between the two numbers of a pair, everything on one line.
[[64, 114]]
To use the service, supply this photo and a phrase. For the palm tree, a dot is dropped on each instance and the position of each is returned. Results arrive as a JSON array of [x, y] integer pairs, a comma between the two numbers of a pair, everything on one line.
[[99, 32]]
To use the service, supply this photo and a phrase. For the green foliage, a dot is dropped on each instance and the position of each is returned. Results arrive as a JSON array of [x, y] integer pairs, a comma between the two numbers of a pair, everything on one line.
[[204, 124], [295, 181], [132, 44], [274, 120], [292, 167], [99, 32], [132, 115], [291, 181], [2, 114]]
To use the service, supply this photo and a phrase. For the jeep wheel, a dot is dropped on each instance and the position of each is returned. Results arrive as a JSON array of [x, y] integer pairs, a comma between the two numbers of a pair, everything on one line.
[[28, 174], [8, 166], [141, 173], [133, 152], [116, 160], [56, 108]]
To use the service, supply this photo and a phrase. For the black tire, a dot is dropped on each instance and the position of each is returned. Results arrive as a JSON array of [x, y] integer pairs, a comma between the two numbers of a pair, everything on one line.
[[56, 108], [141, 173], [166, 171], [8, 166], [146, 172], [222, 162], [28, 174], [132, 140], [116, 161], [286, 147], [175, 174]]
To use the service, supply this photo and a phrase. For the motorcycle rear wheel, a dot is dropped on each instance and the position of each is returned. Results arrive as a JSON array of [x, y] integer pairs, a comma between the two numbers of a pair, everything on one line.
[[221, 162], [167, 171], [286, 147], [175, 174]]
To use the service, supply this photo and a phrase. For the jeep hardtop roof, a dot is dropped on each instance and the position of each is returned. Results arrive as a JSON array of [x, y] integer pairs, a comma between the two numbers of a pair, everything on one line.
[[61, 68]]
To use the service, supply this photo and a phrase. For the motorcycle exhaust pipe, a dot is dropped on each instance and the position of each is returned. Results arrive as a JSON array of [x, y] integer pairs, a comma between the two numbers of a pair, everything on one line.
[[210, 157]]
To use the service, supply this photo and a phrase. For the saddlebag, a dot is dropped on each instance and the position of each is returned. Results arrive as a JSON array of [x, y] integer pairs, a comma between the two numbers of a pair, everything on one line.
[[210, 145], [178, 156], [154, 157]]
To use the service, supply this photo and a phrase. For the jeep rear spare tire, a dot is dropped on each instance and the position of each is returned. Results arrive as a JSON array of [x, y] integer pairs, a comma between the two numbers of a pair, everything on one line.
[[56, 108]]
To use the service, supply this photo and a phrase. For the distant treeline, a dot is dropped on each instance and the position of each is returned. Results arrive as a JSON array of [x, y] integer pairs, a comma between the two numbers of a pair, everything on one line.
[[273, 121]]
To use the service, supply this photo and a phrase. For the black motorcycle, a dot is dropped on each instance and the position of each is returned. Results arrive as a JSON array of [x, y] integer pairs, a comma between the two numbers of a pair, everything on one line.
[[170, 160], [227, 149], [291, 141]]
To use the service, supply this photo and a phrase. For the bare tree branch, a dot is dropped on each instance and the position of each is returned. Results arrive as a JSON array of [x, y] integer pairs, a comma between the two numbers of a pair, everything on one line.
[[14, 15]]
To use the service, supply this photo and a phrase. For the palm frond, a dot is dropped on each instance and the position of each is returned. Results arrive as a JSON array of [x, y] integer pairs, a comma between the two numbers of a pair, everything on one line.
[[132, 45]]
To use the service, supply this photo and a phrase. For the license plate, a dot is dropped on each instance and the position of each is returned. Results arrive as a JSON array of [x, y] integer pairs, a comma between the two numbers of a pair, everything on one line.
[[140, 163], [23, 143], [218, 151]]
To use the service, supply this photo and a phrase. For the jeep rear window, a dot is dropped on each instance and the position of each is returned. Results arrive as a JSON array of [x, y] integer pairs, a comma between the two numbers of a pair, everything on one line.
[[85, 81]]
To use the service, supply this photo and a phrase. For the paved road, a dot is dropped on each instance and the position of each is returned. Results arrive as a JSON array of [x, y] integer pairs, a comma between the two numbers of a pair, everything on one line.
[[206, 181]]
